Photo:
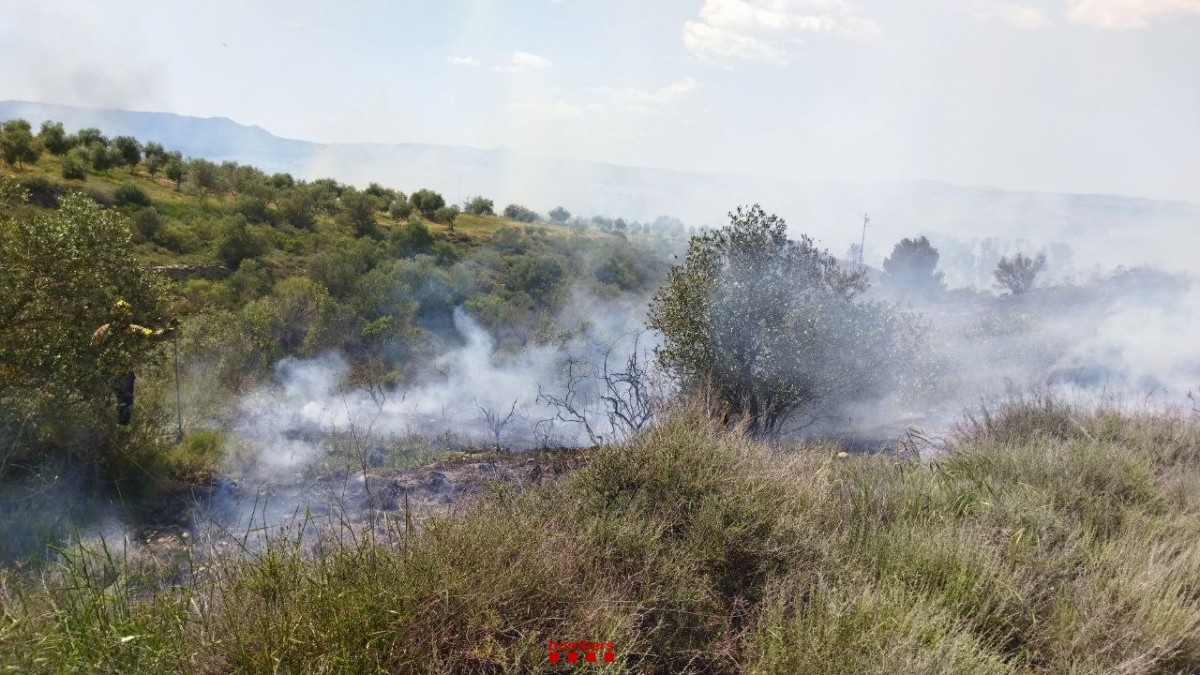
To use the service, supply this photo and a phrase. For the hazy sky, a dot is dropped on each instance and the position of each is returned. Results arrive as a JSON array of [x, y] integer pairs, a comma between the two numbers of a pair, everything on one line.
[[1056, 95]]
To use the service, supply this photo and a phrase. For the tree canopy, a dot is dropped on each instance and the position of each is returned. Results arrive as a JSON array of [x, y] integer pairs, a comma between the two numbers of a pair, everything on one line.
[[1018, 273], [913, 263], [17, 144], [67, 272], [774, 326]]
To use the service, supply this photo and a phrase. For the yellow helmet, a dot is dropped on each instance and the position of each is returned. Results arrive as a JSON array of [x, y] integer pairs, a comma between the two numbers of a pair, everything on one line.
[[124, 307]]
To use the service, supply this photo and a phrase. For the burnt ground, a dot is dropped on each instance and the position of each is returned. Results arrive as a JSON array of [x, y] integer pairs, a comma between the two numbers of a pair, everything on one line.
[[354, 497]]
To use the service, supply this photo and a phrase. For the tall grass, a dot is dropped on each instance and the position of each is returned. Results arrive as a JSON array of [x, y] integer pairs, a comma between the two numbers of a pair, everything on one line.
[[1048, 539]]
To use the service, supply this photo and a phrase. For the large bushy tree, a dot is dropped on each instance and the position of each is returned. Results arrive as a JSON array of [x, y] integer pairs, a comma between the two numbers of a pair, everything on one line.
[[66, 273], [128, 150], [1018, 273], [481, 206], [520, 213], [54, 138], [560, 215], [775, 327], [17, 144], [427, 202], [913, 263]]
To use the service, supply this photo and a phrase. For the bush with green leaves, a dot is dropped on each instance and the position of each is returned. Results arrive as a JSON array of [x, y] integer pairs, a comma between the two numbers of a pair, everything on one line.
[[101, 156], [560, 215], [426, 202], [237, 241], [446, 215], [75, 165], [128, 194], [410, 239], [913, 264], [775, 327], [145, 224], [128, 150], [521, 213], [54, 138], [17, 144], [481, 206], [357, 212], [64, 272], [1019, 273]]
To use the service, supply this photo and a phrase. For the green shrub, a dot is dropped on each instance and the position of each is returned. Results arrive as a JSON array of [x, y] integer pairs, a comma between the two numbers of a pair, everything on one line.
[[197, 457], [75, 165], [128, 194]]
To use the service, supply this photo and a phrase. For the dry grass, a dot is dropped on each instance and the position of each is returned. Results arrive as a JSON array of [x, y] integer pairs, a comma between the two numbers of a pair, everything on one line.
[[1050, 539]]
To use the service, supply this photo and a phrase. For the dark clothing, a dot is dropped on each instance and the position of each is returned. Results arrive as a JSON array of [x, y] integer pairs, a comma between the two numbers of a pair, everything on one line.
[[123, 388]]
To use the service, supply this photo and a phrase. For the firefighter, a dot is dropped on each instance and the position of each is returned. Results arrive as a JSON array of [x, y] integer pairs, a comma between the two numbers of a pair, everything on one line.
[[122, 327]]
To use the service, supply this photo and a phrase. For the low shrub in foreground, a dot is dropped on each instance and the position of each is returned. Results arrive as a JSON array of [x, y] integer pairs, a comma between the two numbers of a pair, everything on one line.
[[1072, 547]]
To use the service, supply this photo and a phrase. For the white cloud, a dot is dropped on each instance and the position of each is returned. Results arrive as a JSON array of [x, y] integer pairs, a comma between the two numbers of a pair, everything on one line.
[[557, 110], [1124, 14], [1021, 16], [522, 61], [469, 61], [729, 31], [676, 89]]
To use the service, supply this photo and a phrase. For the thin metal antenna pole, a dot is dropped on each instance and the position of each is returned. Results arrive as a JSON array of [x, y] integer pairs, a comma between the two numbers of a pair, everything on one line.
[[863, 245]]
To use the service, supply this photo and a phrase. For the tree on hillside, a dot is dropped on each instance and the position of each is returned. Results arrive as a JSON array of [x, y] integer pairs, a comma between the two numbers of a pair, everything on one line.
[[156, 157], [298, 209], [129, 151], [773, 326], [236, 242], [17, 144], [559, 215], [88, 135], [175, 169], [382, 196], [446, 216], [54, 138], [202, 176], [100, 156], [68, 272], [358, 211], [481, 206], [426, 202], [75, 164], [520, 213], [1018, 273], [913, 263], [400, 209]]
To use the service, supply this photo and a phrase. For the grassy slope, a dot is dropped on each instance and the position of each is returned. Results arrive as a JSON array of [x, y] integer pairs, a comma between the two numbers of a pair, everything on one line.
[[1048, 540], [468, 231]]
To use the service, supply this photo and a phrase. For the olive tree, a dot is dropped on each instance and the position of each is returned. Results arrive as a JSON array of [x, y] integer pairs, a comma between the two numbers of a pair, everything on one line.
[[67, 273], [128, 150], [560, 215], [427, 202], [520, 213], [54, 138], [913, 263], [775, 328], [17, 144], [481, 206], [1018, 273]]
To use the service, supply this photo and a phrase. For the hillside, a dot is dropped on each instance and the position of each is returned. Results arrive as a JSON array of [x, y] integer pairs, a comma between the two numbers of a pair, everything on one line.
[[1100, 229], [232, 274]]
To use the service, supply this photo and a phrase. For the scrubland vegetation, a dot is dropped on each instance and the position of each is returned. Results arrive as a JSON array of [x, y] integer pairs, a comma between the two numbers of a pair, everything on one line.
[[1047, 539], [705, 536], [266, 268]]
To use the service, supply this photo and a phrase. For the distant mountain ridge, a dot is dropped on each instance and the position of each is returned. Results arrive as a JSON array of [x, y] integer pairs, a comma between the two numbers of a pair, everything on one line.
[[1103, 229]]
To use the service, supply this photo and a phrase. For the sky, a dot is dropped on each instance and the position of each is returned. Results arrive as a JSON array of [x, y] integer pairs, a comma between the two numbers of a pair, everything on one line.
[[1091, 96]]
